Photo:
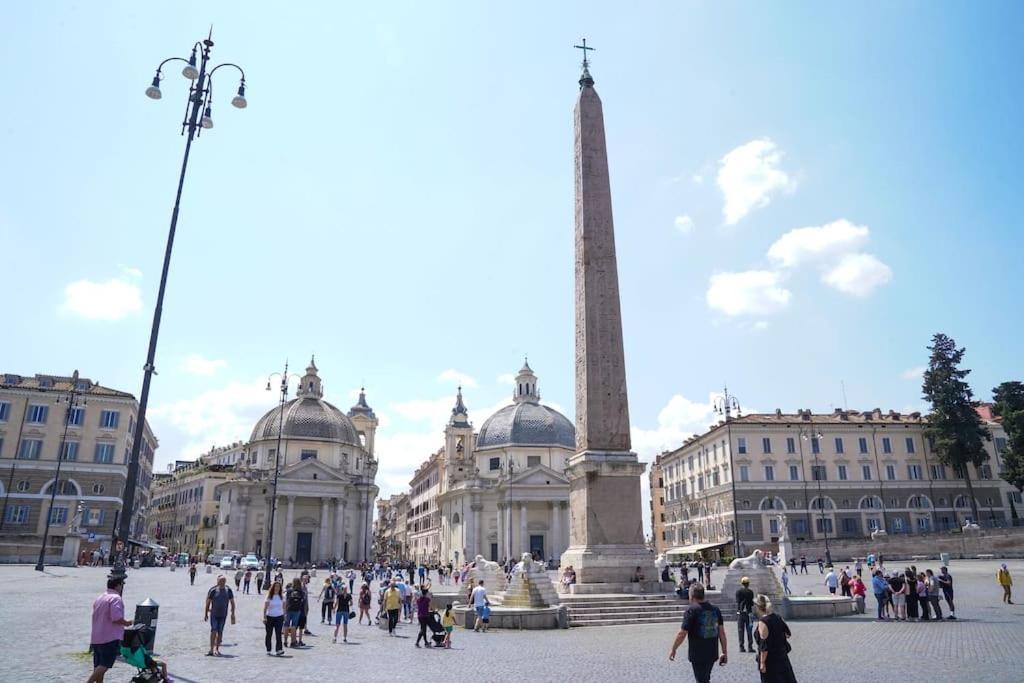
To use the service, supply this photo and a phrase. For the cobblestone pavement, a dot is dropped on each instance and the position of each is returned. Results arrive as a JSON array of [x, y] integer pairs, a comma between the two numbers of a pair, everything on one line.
[[47, 616]]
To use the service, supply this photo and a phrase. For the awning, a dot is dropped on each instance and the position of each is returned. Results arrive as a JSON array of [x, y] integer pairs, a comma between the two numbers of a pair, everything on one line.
[[696, 548]]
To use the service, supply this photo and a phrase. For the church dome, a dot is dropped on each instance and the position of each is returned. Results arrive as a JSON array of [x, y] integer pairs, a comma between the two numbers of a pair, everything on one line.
[[308, 416], [526, 422]]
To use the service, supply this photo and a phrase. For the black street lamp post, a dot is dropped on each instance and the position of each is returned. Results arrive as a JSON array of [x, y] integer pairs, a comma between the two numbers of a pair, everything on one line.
[[815, 437], [724, 405], [198, 117], [72, 401], [268, 552]]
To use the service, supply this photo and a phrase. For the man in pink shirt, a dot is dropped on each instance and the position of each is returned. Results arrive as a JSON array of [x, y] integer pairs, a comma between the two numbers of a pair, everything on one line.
[[108, 624]]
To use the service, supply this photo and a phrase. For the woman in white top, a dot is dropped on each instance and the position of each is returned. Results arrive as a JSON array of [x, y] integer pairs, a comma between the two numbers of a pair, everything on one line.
[[273, 616]]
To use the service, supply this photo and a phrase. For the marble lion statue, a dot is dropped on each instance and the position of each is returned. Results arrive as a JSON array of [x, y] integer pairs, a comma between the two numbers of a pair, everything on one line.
[[486, 565], [751, 560], [527, 565]]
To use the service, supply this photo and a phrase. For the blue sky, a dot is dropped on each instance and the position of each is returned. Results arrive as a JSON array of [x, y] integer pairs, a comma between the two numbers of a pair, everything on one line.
[[397, 198]]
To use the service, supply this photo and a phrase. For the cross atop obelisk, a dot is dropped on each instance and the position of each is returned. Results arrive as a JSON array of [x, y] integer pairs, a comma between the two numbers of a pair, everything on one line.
[[606, 541]]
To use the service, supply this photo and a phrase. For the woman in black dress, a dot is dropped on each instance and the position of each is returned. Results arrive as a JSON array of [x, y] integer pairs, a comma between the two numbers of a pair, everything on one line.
[[772, 636]]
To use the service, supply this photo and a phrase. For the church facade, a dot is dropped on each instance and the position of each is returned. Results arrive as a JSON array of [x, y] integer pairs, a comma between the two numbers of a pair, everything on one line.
[[325, 490], [503, 490]]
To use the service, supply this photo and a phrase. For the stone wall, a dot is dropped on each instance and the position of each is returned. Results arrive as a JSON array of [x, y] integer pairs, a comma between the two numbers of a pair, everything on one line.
[[997, 542]]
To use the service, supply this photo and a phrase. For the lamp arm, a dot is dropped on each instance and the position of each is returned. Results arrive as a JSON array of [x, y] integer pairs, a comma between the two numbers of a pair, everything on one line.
[[240, 70], [170, 59]]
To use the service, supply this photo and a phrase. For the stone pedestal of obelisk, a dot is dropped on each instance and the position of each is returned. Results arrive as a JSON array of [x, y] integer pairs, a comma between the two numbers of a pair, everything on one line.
[[606, 540]]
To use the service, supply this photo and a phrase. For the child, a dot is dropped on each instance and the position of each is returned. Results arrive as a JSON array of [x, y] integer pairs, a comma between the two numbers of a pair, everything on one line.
[[448, 621]]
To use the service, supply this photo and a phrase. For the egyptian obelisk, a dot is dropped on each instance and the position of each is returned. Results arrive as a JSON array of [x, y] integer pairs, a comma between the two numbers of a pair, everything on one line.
[[606, 541]]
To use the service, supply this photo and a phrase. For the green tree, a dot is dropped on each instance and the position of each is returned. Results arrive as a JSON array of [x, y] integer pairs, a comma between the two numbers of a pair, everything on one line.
[[954, 426], [1008, 400]]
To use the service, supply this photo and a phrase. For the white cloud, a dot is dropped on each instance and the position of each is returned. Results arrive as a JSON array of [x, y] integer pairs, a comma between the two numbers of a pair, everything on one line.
[[913, 373], [815, 243], [456, 377], [752, 292], [749, 176], [858, 274], [197, 364], [507, 378], [678, 419], [111, 300], [698, 178], [684, 224], [130, 271]]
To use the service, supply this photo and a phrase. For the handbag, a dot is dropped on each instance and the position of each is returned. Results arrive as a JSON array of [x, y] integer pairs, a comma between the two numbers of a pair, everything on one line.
[[351, 615]]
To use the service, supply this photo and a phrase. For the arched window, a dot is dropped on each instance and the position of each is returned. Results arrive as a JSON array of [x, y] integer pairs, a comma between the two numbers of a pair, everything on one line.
[[773, 503], [455, 518], [824, 503], [65, 487], [919, 502], [962, 502], [870, 503]]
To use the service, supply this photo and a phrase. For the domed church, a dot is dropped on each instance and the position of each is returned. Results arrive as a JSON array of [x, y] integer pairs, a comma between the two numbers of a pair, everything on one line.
[[504, 490], [325, 490]]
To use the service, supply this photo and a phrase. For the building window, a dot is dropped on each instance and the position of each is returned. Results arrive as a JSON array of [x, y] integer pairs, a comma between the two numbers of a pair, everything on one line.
[[913, 472], [70, 451], [818, 473], [748, 526], [938, 471], [873, 524], [890, 472], [58, 515], [910, 444], [773, 526], [494, 464], [897, 524], [769, 473], [924, 525], [794, 473], [766, 445], [95, 517], [790, 445], [37, 414], [741, 446], [985, 471], [799, 526], [5, 411], [842, 473], [76, 416], [23, 486], [886, 444], [104, 453], [109, 419], [533, 461], [16, 514], [839, 444], [744, 473], [815, 445], [849, 525], [1000, 441], [865, 471], [918, 502], [97, 489], [1014, 496], [823, 525], [307, 455], [862, 444], [30, 449]]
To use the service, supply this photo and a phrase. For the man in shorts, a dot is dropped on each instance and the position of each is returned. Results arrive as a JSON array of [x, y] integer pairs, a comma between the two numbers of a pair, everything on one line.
[[703, 624], [479, 597], [218, 599], [108, 624]]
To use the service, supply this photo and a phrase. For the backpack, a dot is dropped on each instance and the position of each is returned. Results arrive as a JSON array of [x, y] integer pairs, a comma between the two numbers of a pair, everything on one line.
[[295, 600]]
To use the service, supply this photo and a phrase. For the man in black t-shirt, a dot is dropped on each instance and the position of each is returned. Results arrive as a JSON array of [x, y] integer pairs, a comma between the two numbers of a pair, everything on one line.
[[744, 608], [704, 626]]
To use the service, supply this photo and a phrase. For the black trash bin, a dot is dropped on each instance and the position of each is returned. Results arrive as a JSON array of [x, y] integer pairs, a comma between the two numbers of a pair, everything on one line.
[[146, 612]]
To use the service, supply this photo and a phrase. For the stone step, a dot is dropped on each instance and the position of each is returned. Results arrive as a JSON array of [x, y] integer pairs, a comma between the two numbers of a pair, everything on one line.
[[624, 614], [624, 621]]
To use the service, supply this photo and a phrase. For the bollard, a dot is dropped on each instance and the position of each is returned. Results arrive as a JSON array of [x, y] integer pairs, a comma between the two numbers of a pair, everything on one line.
[[146, 612]]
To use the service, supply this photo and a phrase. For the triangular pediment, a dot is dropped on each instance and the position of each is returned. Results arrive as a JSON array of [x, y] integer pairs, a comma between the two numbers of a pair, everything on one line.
[[539, 475], [305, 469]]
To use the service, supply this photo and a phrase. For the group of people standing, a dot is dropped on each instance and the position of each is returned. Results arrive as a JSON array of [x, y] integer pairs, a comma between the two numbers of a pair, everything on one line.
[[910, 595]]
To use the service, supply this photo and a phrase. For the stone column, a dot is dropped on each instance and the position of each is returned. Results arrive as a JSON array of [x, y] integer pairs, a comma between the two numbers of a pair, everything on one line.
[[339, 529], [554, 541], [323, 544], [476, 547], [501, 531], [524, 534], [289, 530], [361, 531], [469, 533]]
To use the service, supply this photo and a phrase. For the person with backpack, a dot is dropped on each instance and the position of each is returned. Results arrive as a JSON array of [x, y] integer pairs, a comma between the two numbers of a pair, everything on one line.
[[704, 627], [327, 596], [293, 599]]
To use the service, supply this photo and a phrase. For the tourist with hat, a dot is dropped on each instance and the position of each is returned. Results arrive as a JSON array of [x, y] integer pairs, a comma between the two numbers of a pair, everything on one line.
[[108, 624], [744, 608]]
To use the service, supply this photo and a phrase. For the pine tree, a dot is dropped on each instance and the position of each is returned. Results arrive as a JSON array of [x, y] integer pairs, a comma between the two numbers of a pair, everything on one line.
[[1008, 400], [954, 426]]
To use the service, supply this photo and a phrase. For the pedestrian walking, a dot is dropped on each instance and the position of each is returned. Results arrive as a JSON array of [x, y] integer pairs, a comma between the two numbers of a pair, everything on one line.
[[351, 576], [238, 579], [858, 567], [480, 602], [259, 582], [192, 574], [705, 628], [423, 615], [448, 622], [246, 580], [293, 599], [328, 594], [831, 581], [304, 614], [273, 617], [365, 601], [803, 564], [108, 624], [933, 593], [1006, 581], [218, 600], [785, 581], [744, 610], [342, 614], [773, 644], [946, 584], [879, 588], [393, 606], [821, 566]]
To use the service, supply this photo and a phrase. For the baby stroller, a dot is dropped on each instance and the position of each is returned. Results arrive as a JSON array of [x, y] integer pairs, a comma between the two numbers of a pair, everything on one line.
[[133, 649], [436, 629]]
